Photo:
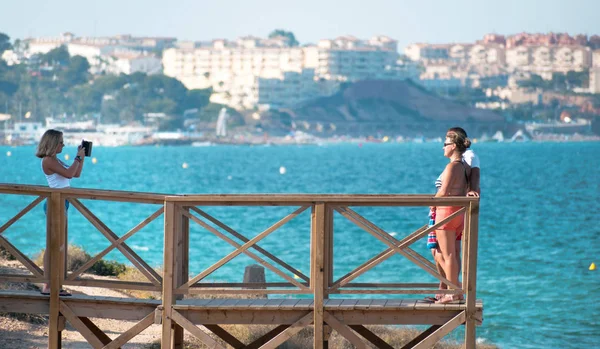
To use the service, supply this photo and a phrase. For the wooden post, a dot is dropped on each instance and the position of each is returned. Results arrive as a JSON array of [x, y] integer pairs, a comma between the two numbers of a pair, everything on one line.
[[471, 282], [328, 274], [55, 215], [168, 277], [254, 274], [317, 272], [181, 267], [464, 250]]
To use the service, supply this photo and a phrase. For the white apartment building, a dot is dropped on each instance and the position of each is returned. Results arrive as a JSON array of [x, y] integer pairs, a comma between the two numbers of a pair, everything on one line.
[[425, 52], [595, 80], [519, 57], [252, 72], [216, 65], [457, 54], [286, 90], [596, 58], [97, 55], [133, 62], [545, 60], [45, 44], [350, 59], [102, 52], [488, 54]]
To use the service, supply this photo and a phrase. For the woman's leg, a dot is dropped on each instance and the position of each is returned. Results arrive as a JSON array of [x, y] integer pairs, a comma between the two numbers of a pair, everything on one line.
[[439, 260], [457, 247], [46, 288], [447, 244]]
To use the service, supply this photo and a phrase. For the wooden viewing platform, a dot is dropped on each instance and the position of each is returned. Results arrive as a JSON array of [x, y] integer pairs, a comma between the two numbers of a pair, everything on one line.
[[319, 301]]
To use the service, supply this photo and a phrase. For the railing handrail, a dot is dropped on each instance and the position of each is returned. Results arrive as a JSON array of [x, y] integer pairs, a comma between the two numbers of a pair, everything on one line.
[[266, 199], [334, 202], [83, 193]]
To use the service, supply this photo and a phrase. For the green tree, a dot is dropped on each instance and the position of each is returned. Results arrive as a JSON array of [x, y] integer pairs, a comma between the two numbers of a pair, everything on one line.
[[579, 79], [4, 43], [57, 56], [284, 33], [76, 72], [197, 98]]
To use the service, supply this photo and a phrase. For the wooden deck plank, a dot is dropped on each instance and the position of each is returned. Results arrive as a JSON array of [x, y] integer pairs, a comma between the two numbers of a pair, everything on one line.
[[304, 304], [332, 304], [274, 303], [378, 304], [215, 303], [10, 299], [363, 304], [348, 304], [289, 304], [408, 304], [259, 303], [227, 304], [393, 303]]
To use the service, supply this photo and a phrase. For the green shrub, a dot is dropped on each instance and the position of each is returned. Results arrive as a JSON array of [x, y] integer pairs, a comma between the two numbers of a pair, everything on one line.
[[4, 254], [107, 268], [77, 257]]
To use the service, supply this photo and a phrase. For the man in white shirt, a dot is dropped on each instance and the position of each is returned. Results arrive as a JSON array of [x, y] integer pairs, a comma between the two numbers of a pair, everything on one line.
[[472, 160]]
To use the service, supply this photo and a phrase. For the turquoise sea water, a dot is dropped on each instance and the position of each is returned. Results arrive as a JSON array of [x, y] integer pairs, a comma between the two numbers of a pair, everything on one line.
[[538, 224]]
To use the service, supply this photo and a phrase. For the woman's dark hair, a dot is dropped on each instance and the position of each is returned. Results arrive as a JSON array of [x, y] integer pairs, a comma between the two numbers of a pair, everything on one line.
[[463, 134], [458, 138]]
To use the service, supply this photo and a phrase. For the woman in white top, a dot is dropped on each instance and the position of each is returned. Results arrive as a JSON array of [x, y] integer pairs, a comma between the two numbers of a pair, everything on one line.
[[58, 174]]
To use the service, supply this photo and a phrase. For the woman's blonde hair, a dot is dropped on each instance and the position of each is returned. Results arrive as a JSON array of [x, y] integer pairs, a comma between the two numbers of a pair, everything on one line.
[[49, 144]]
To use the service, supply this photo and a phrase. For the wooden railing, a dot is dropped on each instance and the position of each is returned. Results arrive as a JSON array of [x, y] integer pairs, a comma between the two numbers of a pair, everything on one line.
[[175, 283]]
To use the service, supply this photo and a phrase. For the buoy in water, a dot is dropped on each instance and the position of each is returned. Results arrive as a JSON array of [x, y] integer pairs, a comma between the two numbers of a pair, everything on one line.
[[229, 177], [94, 160], [184, 165], [282, 170], [67, 157], [8, 153], [593, 266]]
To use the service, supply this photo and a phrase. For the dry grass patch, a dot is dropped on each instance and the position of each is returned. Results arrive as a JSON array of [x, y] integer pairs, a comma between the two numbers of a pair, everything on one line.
[[8, 266]]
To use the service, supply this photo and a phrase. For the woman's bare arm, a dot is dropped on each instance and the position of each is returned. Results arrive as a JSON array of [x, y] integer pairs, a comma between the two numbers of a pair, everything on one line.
[[52, 165], [78, 173], [474, 189]]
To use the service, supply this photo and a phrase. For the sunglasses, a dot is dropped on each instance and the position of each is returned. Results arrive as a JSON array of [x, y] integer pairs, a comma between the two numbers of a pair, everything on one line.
[[446, 144]]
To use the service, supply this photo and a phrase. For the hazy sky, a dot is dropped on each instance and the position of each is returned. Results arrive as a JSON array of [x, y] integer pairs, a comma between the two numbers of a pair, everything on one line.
[[433, 21]]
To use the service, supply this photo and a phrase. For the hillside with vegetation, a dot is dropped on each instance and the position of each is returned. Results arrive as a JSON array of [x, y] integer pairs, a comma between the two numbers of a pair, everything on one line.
[[397, 107]]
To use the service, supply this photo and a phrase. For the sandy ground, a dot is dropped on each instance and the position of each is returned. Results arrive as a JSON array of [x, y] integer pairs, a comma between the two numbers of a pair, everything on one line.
[[18, 333]]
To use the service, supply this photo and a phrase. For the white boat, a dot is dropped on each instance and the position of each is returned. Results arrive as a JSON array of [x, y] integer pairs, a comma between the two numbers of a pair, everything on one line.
[[202, 144]]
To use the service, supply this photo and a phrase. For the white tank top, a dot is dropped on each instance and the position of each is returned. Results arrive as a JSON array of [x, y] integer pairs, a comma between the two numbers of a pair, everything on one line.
[[55, 180]]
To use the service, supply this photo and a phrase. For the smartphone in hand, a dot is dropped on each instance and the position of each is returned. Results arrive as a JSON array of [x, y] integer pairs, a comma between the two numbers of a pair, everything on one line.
[[87, 146]]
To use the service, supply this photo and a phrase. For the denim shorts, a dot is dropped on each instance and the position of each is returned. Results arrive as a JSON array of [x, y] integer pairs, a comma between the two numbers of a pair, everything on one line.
[[67, 204]]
